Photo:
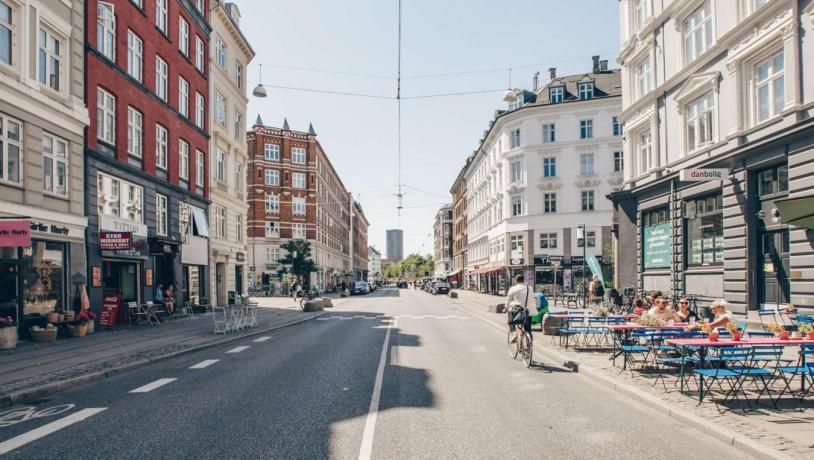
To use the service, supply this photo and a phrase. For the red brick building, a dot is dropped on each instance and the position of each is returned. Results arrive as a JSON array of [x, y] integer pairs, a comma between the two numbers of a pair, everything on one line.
[[147, 146]]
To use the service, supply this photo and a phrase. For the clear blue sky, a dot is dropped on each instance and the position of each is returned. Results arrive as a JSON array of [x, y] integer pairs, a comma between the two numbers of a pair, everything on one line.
[[438, 37]]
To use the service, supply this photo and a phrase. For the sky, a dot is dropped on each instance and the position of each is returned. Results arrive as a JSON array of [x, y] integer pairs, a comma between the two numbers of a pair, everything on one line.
[[448, 46]]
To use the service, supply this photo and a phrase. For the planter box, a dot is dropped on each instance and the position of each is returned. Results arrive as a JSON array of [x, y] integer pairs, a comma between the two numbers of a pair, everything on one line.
[[78, 331], [44, 335], [8, 338]]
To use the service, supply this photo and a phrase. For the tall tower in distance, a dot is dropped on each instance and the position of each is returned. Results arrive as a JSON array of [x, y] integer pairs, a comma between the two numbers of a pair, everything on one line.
[[395, 244]]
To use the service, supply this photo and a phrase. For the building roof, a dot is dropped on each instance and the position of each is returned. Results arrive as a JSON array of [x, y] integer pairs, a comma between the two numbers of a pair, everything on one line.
[[606, 84], [373, 250]]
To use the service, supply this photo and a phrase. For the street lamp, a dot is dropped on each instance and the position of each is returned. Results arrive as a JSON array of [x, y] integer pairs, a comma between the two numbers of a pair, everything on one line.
[[260, 90], [510, 95]]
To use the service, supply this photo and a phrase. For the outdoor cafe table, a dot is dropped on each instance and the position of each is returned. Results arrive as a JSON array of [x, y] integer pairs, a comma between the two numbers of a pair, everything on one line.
[[703, 344], [621, 334]]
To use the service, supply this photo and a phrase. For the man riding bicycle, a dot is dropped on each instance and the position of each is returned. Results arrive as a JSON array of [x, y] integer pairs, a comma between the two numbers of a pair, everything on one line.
[[518, 300]]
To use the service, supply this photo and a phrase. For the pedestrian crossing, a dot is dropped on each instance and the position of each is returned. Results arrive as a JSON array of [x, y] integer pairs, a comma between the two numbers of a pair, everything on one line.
[[392, 317]]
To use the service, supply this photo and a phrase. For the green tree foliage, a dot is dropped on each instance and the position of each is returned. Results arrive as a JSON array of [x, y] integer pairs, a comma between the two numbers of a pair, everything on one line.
[[302, 265], [412, 266]]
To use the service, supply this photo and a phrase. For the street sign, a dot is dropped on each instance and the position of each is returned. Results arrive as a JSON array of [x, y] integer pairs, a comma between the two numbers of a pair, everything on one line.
[[703, 174]]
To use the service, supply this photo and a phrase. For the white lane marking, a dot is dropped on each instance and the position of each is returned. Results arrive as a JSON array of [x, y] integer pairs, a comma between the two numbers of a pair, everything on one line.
[[393, 356], [263, 339], [323, 319], [238, 349], [370, 317], [45, 430], [366, 448], [359, 316], [152, 386], [204, 364]]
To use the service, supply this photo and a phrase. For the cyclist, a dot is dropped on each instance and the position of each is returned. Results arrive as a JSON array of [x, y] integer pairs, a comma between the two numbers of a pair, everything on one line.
[[517, 305]]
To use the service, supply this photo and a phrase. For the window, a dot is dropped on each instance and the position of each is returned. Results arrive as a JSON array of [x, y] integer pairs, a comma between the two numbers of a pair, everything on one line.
[[106, 30], [643, 77], [272, 255], [271, 152], [134, 132], [161, 147], [138, 3], [298, 206], [135, 51], [200, 107], [586, 164], [644, 147], [239, 75], [54, 165], [105, 116], [698, 32], [549, 133], [183, 160], [298, 180], [514, 137], [49, 59], [618, 162], [183, 36], [161, 78], [239, 227], [586, 129], [120, 198], [272, 204], [586, 90], [772, 181], [550, 167], [700, 119], [238, 125], [590, 236], [272, 177], [556, 94], [587, 200], [617, 127], [200, 58], [298, 155], [642, 11], [548, 240], [200, 166], [272, 229], [6, 27], [161, 214], [549, 202], [298, 231], [161, 15], [220, 165], [220, 52], [517, 206], [183, 97], [517, 171], [239, 178], [220, 109], [220, 222], [704, 239], [769, 87]]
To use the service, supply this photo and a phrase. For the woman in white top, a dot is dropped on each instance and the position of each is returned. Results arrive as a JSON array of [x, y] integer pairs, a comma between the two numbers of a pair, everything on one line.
[[722, 317]]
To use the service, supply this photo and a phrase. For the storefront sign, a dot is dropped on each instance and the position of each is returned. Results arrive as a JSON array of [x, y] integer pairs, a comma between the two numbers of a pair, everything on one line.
[[240, 257], [148, 277], [111, 303], [117, 224], [45, 228], [15, 234], [96, 276], [114, 241], [657, 246], [577, 260], [703, 174]]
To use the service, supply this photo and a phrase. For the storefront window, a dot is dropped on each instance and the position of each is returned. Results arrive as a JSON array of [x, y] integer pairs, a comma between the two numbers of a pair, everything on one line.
[[704, 239], [656, 239], [43, 273]]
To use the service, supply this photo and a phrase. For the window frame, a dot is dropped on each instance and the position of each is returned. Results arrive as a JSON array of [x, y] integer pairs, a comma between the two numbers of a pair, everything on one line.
[[272, 173], [549, 133], [586, 128], [55, 160], [107, 115], [106, 30], [708, 38], [516, 205], [183, 160], [10, 26], [162, 137], [690, 215], [47, 75], [220, 165], [516, 171], [299, 155], [549, 202], [295, 180], [221, 53], [200, 110], [587, 164], [618, 161], [272, 203], [135, 132], [161, 15], [699, 125], [161, 214], [768, 82], [162, 71], [556, 94], [267, 150], [200, 54], [585, 89], [299, 229], [548, 238], [588, 200], [298, 204], [550, 167], [135, 56], [200, 168], [183, 36], [183, 96]]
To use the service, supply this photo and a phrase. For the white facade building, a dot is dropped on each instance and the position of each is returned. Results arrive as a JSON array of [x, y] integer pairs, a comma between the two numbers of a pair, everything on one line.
[[374, 263], [543, 167]]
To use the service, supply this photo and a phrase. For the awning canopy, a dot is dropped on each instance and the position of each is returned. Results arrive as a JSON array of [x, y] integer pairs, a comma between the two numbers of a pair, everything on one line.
[[454, 273], [481, 271], [797, 211]]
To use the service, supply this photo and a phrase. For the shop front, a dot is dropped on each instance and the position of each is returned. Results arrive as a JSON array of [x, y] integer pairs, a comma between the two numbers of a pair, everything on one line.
[[194, 255], [122, 263], [548, 273]]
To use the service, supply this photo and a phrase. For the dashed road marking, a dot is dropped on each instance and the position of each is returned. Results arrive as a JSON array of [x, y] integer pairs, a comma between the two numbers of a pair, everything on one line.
[[25, 438], [152, 386], [366, 449], [238, 349], [261, 339], [204, 364]]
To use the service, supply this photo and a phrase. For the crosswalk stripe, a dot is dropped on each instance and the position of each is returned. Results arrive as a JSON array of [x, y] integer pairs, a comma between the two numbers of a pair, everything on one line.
[[261, 339], [152, 386], [25, 438], [238, 349], [204, 364]]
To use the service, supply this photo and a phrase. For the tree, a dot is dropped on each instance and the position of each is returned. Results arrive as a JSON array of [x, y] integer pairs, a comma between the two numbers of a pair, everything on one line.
[[302, 265]]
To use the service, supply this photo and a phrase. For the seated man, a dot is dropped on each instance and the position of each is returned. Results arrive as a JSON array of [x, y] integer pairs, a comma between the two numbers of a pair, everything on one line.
[[662, 311]]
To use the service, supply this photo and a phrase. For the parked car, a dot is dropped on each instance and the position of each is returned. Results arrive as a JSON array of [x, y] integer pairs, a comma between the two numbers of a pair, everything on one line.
[[440, 287], [371, 286], [402, 284], [360, 288]]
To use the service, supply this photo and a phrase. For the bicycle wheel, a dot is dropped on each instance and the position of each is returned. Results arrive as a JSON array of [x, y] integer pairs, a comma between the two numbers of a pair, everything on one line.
[[302, 303], [512, 346], [527, 349]]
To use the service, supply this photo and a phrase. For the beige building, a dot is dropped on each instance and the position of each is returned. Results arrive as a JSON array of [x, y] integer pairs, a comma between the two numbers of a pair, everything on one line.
[[230, 55], [42, 122]]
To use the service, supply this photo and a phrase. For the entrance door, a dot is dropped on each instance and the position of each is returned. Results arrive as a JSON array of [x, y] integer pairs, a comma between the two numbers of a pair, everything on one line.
[[239, 279], [774, 268], [121, 278], [8, 290]]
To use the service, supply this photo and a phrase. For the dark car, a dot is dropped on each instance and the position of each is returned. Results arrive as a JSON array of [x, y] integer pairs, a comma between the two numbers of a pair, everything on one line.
[[402, 284], [440, 287], [360, 287]]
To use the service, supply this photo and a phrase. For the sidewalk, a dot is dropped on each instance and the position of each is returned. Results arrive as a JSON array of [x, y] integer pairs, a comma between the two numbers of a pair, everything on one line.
[[33, 370], [787, 432]]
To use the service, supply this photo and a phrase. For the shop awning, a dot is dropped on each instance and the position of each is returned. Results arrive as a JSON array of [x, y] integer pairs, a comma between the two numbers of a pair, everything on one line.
[[481, 271], [797, 211], [454, 273]]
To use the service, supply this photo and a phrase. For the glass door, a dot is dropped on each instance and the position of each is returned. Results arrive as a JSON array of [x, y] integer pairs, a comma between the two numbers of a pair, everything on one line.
[[774, 269]]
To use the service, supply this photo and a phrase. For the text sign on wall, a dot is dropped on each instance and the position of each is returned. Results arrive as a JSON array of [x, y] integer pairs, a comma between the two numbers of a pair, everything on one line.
[[15, 234], [114, 241], [703, 174], [657, 246]]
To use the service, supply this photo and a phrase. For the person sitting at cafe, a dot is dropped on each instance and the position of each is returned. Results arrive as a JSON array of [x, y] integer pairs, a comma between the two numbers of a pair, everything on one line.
[[639, 307], [169, 300], [684, 314], [662, 310], [722, 316], [653, 298], [159, 294]]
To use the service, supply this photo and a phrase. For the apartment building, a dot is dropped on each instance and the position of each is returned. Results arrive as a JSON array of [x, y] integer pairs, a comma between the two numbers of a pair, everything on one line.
[[717, 111], [459, 228], [442, 241]]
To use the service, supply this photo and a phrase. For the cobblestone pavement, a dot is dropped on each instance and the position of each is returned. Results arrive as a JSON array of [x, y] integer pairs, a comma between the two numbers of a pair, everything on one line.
[[788, 430]]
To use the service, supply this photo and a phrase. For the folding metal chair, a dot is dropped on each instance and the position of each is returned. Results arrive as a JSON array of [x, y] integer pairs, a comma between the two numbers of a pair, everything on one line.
[[804, 368], [222, 320]]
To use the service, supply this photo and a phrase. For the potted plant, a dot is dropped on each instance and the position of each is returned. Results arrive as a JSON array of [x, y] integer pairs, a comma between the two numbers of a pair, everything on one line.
[[52, 317], [88, 317], [735, 331], [713, 336], [8, 333], [807, 331], [777, 329], [78, 330]]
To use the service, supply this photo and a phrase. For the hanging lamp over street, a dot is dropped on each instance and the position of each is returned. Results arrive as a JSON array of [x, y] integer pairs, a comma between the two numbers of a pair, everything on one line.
[[510, 95], [260, 90]]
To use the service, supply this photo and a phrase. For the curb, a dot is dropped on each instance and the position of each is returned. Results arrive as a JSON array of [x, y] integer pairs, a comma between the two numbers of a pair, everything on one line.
[[37, 392], [731, 438]]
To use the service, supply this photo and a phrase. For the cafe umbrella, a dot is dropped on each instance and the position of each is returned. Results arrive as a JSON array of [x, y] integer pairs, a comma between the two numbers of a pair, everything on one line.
[[797, 211]]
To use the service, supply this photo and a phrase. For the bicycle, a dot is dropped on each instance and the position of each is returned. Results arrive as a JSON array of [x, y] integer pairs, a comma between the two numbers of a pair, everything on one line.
[[310, 295], [523, 346]]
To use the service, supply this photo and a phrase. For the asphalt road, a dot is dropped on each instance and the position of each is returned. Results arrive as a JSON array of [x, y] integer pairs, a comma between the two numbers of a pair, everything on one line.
[[441, 386]]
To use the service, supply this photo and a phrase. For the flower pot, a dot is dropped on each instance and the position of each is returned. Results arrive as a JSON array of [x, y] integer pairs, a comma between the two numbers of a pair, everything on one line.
[[53, 317], [8, 338], [810, 335], [784, 335], [713, 336], [91, 326], [44, 335], [736, 336], [78, 331]]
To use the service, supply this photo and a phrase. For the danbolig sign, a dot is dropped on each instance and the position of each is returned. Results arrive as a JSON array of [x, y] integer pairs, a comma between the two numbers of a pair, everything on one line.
[[657, 246], [702, 174]]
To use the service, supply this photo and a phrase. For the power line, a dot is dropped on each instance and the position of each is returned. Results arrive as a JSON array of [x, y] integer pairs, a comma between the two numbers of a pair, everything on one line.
[[461, 93], [324, 91]]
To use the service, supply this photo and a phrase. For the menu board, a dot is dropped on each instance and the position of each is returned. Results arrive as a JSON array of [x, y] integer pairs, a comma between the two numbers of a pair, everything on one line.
[[657, 246], [111, 303]]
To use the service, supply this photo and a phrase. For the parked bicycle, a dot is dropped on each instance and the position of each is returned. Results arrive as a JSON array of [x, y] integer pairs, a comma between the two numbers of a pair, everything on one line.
[[311, 294]]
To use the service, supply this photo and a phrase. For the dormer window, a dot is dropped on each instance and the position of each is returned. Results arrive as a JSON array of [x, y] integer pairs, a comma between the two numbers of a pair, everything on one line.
[[556, 95], [586, 90]]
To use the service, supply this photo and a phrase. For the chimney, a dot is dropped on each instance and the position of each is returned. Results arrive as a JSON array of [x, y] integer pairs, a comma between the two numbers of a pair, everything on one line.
[[595, 59], [603, 65], [536, 81], [552, 73]]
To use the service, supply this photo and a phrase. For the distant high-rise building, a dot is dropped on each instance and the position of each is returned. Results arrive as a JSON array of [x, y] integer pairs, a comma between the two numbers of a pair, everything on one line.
[[395, 244]]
